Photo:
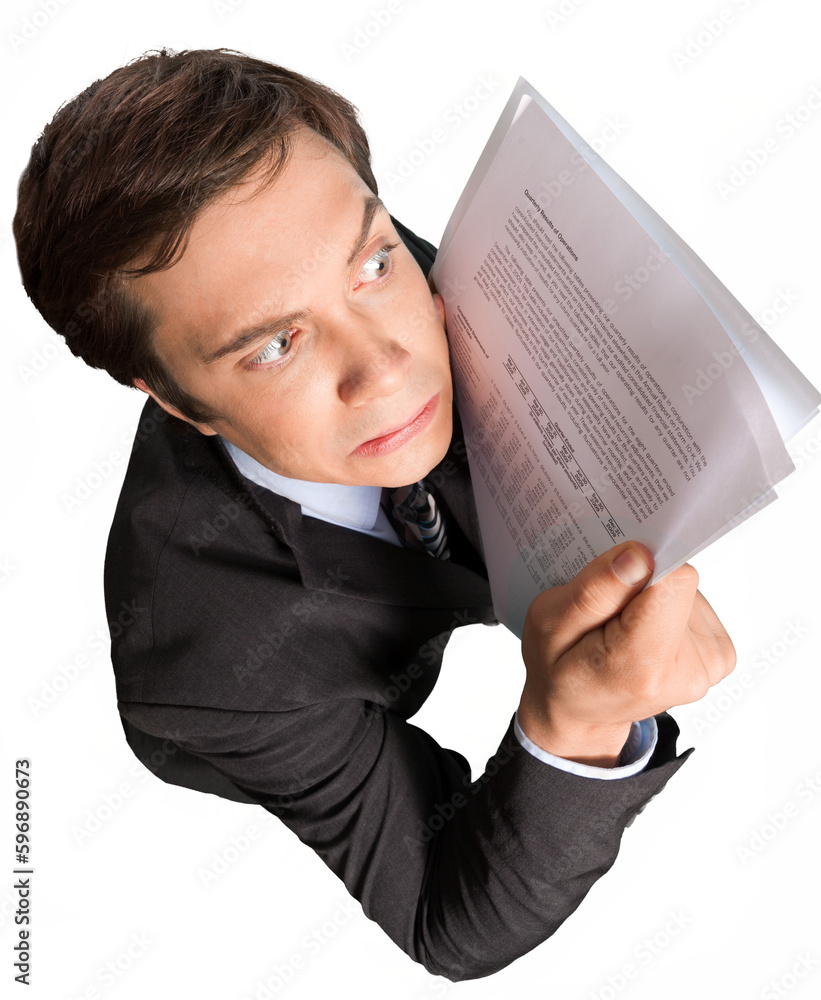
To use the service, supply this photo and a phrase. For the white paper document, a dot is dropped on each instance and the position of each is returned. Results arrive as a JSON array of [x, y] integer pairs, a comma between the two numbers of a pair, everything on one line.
[[604, 376]]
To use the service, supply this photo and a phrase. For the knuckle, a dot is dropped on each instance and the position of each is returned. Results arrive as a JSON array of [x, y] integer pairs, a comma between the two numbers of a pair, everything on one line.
[[598, 660], [686, 577], [590, 601], [648, 689], [728, 654], [719, 661], [538, 617]]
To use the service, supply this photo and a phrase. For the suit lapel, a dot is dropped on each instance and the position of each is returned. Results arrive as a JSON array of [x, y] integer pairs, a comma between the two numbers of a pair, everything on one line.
[[333, 558], [374, 570]]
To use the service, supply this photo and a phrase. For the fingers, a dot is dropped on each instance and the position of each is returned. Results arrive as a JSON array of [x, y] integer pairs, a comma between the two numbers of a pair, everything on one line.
[[661, 614], [676, 631], [604, 650], [563, 615], [718, 652]]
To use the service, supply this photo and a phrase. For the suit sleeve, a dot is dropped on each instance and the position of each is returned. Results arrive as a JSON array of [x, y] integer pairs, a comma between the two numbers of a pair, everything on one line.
[[465, 876]]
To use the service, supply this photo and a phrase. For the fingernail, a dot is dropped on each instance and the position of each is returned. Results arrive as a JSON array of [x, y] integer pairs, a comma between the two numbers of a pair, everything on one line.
[[630, 568]]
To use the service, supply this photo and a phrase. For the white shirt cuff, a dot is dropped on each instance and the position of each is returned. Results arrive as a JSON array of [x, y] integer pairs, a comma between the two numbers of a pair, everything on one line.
[[633, 758]]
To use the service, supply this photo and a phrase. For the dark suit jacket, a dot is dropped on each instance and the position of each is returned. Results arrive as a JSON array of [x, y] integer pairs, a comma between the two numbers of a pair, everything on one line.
[[276, 658]]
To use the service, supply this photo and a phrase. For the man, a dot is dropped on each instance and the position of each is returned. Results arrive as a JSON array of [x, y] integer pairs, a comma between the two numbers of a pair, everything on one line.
[[206, 227]]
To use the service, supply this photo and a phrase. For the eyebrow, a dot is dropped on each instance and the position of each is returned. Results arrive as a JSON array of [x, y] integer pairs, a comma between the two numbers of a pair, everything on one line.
[[371, 205]]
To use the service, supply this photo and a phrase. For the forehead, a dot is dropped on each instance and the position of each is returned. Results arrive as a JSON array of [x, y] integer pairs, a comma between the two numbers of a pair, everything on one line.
[[255, 248]]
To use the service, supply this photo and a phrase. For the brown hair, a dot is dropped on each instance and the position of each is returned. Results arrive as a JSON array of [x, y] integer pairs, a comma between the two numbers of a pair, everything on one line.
[[121, 172]]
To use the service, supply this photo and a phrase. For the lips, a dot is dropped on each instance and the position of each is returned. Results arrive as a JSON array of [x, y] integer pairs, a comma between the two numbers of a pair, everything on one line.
[[396, 438]]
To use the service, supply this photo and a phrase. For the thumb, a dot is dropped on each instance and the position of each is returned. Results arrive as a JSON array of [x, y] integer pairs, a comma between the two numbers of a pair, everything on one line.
[[597, 593]]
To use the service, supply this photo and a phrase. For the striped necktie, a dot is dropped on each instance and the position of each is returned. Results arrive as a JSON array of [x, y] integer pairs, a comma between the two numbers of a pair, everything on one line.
[[418, 520]]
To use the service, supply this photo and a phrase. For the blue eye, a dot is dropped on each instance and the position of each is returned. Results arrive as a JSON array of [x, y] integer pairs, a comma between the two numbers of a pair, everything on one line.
[[276, 348]]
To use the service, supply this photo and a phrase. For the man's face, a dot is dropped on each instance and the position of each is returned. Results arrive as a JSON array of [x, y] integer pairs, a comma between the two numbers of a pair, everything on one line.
[[297, 315]]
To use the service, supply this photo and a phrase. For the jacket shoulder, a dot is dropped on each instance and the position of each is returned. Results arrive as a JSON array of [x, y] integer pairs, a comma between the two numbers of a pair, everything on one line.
[[171, 565]]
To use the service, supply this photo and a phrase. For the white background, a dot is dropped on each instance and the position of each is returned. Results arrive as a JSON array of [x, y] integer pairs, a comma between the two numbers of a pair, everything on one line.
[[716, 924]]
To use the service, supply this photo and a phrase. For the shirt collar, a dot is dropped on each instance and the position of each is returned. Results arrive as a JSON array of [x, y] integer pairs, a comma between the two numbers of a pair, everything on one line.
[[349, 506]]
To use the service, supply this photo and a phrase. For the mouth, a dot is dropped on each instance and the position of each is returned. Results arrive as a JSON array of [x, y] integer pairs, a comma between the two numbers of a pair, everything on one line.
[[399, 436]]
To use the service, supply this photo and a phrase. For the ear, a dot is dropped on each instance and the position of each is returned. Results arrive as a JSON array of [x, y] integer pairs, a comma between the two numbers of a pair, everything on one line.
[[439, 304], [202, 428]]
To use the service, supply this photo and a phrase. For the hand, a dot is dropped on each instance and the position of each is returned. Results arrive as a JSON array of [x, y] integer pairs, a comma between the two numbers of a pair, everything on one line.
[[601, 654]]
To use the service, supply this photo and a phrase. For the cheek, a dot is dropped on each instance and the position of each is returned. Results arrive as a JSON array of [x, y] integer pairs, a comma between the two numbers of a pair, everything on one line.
[[416, 305], [286, 422], [440, 348], [428, 339]]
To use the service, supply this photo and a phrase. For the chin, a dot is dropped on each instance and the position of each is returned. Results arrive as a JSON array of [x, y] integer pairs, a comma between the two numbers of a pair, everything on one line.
[[415, 459], [411, 468]]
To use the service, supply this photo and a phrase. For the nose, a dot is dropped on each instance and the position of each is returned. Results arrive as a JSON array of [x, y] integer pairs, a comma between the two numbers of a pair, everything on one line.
[[372, 362]]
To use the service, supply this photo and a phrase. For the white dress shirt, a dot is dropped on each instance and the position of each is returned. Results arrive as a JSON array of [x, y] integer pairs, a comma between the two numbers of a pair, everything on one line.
[[359, 508]]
